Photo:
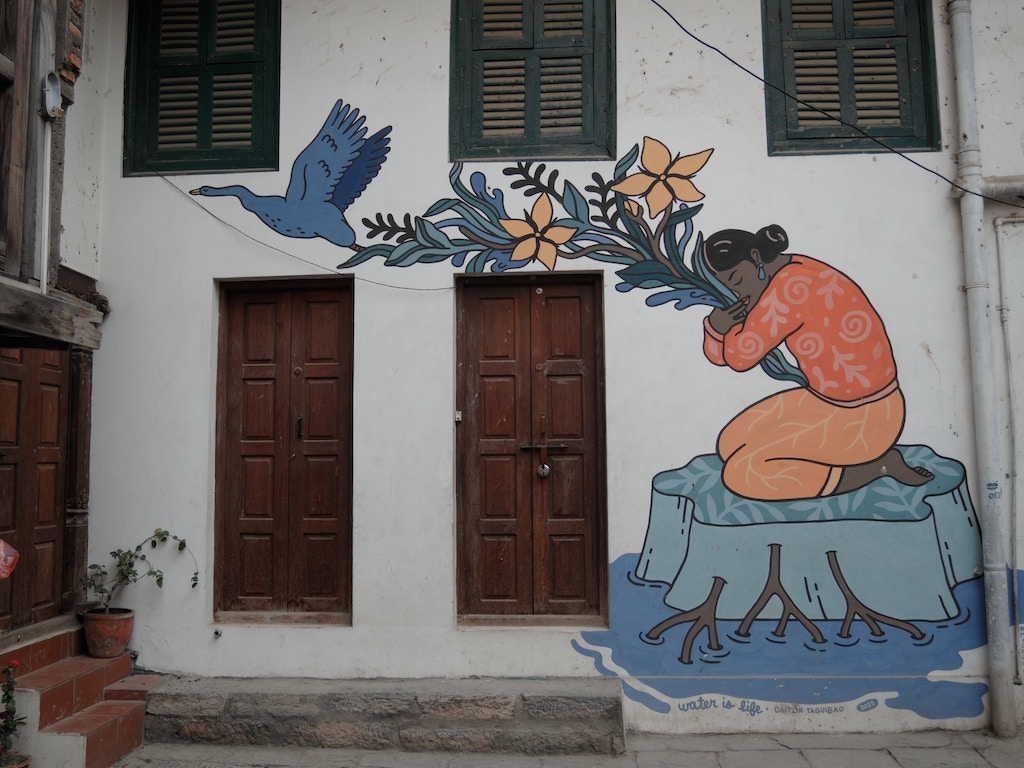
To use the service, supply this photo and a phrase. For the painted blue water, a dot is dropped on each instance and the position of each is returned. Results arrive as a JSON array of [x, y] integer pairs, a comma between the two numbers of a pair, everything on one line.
[[793, 669]]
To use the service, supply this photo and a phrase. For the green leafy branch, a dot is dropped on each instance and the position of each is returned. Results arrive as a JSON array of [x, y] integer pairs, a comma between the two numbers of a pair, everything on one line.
[[659, 251]]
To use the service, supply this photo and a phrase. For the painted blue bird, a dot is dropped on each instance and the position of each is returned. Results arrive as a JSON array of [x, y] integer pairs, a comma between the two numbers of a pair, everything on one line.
[[327, 176]]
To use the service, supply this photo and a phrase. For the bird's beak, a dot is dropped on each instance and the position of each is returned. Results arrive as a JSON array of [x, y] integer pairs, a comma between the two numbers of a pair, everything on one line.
[[194, 192]]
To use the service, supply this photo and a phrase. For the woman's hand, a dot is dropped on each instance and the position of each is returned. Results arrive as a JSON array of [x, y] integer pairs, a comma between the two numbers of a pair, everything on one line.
[[722, 319]]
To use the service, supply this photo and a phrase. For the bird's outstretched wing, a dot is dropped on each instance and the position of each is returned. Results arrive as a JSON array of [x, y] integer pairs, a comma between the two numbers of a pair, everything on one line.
[[326, 159], [364, 168]]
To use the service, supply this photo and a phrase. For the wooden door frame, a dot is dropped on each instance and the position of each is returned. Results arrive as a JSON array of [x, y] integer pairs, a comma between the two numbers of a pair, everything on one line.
[[596, 278]]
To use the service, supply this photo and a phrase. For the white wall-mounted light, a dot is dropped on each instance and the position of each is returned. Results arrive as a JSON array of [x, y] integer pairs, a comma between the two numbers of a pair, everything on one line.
[[51, 96]]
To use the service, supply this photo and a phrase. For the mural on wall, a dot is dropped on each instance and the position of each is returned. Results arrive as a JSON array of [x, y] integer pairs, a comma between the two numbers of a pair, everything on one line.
[[327, 177], [810, 563]]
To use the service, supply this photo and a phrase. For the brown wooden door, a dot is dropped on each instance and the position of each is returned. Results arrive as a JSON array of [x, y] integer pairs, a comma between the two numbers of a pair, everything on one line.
[[530, 393], [284, 498], [33, 464]]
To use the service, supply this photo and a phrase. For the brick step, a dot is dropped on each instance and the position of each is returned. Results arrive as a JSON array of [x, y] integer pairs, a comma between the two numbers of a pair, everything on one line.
[[73, 684], [539, 717], [97, 736], [80, 712]]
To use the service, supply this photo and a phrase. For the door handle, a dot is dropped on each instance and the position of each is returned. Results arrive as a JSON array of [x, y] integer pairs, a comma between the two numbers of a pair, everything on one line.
[[298, 428]]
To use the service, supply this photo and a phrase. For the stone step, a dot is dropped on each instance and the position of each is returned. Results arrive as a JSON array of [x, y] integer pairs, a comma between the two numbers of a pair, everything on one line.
[[527, 716]]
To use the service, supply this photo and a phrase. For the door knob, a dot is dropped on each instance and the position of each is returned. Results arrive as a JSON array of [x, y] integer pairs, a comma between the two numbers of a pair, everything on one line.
[[543, 470]]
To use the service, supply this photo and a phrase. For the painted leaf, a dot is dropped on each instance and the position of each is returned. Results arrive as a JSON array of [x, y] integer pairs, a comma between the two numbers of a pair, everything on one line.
[[428, 234], [575, 204], [364, 255], [626, 162], [647, 274]]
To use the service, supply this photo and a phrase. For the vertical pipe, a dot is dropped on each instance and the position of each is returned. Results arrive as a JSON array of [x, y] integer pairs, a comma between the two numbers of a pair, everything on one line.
[[44, 214], [987, 417], [1011, 343]]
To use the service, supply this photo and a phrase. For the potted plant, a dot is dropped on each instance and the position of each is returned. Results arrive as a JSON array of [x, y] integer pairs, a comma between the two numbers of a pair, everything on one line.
[[10, 721], [107, 629]]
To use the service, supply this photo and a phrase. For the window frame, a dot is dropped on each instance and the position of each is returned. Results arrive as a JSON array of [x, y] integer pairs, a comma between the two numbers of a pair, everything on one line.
[[597, 140], [141, 156], [918, 129]]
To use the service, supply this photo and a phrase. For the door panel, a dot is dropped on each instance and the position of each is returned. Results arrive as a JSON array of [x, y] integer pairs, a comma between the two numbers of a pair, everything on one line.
[[320, 478], [530, 393], [285, 468], [34, 387]]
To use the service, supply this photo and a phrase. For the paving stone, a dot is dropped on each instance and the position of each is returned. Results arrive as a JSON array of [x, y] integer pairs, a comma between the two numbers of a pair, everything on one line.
[[999, 752], [1009, 754], [404, 760], [572, 761], [704, 742], [774, 758], [916, 757], [849, 758], [643, 751], [499, 761], [866, 740], [673, 759]]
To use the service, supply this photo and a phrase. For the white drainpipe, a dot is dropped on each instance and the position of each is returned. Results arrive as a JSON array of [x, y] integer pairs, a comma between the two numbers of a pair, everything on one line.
[[989, 419]]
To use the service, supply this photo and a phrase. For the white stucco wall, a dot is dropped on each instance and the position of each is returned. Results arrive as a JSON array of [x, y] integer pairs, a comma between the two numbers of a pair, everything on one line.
[[158, 253]]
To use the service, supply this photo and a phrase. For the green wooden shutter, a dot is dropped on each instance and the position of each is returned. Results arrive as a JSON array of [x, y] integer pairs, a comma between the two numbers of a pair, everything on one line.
[[532, 79], [866, 63], [202, 86]]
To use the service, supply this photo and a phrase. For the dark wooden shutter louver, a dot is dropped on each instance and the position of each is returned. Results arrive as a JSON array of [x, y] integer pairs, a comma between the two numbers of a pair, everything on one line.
[[227, 96], [816, 75], [533, 66], [211, 60], [178, 113], [852, 66]]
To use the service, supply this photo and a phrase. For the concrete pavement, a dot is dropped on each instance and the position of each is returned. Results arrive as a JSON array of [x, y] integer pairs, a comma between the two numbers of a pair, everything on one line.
[[930, 749]]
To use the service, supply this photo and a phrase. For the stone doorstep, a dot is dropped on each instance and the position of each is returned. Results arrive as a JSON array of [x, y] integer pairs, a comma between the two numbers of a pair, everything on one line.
[[542, 716]]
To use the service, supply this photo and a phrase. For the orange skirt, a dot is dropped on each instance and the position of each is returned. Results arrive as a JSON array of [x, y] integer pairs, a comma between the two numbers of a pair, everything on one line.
[[794, 445]]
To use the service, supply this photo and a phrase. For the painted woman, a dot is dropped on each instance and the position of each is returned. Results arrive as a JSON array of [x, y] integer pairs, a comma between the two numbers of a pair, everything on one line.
[[839, 432]]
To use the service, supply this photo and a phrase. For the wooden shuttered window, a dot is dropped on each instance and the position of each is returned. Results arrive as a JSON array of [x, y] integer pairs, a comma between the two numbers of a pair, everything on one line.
[[202, 86], [855, 67], [532, 79]]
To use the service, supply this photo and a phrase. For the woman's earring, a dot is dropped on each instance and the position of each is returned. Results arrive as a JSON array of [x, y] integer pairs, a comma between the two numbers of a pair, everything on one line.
[[760, 270]]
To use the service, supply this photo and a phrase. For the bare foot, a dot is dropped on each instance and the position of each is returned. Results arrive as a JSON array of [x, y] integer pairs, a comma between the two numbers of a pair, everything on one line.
[[891, 464]]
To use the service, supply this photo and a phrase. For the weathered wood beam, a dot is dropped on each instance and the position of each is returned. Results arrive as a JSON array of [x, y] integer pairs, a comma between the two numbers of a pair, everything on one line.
[[49, 316]]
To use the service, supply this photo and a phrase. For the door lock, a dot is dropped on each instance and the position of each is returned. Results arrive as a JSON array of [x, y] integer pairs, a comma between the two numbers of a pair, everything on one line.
[[543, 470]]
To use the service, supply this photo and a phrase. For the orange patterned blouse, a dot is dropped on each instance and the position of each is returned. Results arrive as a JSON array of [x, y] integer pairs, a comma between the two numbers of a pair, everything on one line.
[[828, 325]]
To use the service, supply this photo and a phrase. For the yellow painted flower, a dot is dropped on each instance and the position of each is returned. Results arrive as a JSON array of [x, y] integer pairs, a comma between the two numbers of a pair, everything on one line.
[[632, 206], [536, 238], [662, 179]]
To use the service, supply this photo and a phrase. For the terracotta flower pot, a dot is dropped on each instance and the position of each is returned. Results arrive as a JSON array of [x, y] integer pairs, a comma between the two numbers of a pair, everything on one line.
[[15, 760], [107, 634]]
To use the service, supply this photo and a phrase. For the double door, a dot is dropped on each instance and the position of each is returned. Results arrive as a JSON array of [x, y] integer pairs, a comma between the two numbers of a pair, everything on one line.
[[531, 538], [34, 391], [285, 454]]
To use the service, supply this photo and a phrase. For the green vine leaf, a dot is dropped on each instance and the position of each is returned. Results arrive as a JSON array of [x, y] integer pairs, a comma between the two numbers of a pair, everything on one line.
[[428, 234], [575, 204]]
